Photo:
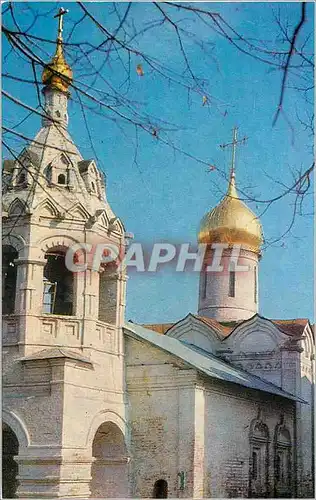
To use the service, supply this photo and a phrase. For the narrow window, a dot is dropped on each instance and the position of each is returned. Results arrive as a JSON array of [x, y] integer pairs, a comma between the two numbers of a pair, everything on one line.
[[61, 179], [204, 283], [93, 187], [255, 284], [232, 280]]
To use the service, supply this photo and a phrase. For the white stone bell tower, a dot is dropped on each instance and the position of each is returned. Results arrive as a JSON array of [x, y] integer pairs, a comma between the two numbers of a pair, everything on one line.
[[63, 379], [228, 289]]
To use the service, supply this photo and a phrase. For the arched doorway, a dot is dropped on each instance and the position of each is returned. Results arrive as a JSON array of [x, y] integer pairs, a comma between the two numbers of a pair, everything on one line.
[[160, 489], [10, 448], [109, 471]]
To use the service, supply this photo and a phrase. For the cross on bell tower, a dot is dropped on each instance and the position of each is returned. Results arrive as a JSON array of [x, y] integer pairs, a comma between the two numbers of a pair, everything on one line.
[[60, 17]]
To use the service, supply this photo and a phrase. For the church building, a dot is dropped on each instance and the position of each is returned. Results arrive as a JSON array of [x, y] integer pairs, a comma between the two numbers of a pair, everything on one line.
[[219, 404]]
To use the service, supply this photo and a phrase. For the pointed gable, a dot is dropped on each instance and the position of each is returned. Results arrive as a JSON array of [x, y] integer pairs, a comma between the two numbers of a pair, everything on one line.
[[17, 208], [47, 208], [78, 212], [256, 334], [193, 330]]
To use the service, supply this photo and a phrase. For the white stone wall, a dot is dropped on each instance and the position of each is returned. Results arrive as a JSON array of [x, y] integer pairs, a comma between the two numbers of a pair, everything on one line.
[[229, 412], [183, 423]]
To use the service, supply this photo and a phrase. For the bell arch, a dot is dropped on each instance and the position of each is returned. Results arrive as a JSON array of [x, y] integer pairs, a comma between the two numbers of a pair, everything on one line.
[[14, 240], [60, 240], [58, 283]]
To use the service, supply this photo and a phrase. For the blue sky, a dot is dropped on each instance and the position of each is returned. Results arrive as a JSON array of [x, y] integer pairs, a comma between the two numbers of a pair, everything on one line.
[[166, 194]]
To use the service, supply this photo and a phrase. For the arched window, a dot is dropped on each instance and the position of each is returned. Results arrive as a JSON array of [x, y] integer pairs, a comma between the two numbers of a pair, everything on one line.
[[160, 489], [58, 285], [9, 275], [92, 187], [259, 456], [282, 461], [61, 179]]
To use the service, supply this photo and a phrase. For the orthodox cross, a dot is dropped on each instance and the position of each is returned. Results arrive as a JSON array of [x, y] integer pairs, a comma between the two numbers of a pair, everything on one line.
[[60, 15], [233, 145]]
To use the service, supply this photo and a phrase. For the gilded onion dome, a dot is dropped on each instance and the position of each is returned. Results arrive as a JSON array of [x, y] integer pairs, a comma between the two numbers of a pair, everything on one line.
[[58, 74], [232, 222]]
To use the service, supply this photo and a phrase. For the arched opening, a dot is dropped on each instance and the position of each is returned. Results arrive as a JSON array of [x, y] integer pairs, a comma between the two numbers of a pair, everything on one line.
[[61, 179], [93, 187], [58, 285], [10, 448], [9, 275], [160, 489], [109, 475], [282, 462], [259, 459]]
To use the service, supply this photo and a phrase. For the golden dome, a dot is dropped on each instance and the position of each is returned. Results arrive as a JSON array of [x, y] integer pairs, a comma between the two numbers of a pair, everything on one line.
[[232, 222], [58, 74]]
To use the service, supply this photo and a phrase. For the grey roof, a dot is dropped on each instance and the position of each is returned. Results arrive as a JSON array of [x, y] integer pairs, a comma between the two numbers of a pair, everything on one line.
[[56, 352], [205, 362]]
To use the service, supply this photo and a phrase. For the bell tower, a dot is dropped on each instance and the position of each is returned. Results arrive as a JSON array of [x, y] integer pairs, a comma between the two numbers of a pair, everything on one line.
[[228, 289], [62, 330]]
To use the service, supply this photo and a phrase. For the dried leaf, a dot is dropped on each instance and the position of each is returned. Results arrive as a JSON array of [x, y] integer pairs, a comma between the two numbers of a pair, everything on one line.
[[139, 70]]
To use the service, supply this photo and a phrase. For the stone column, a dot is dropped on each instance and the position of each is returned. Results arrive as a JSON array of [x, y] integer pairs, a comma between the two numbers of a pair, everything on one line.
[[29, 300]]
